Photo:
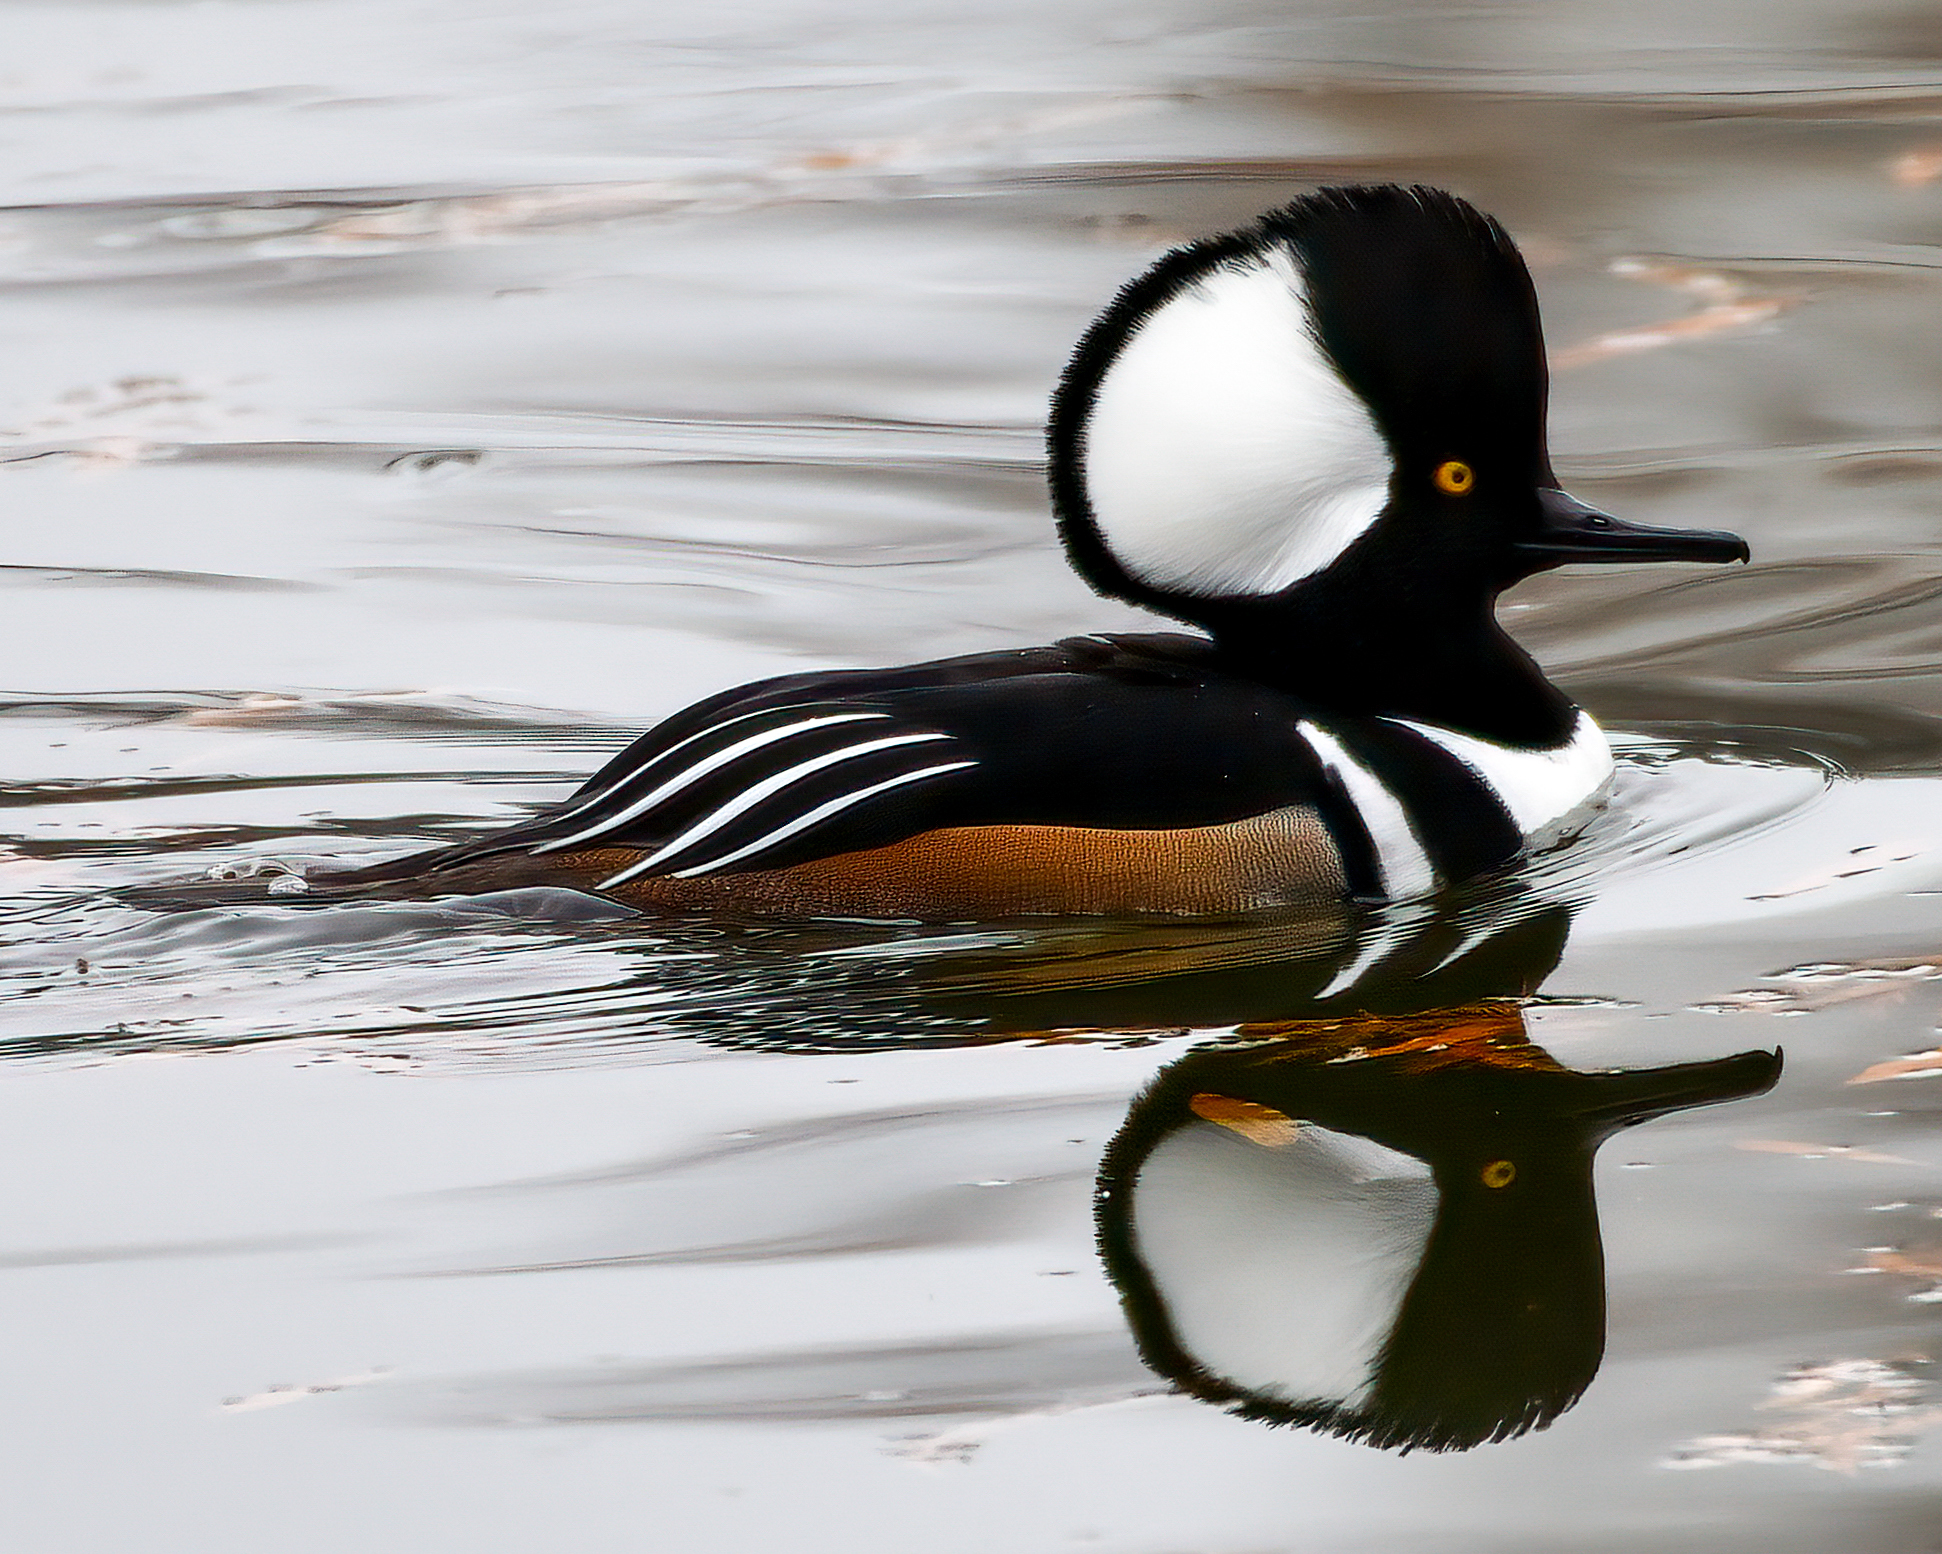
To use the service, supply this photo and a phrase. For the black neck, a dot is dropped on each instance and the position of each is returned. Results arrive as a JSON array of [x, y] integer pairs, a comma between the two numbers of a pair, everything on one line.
[[1455, 668]]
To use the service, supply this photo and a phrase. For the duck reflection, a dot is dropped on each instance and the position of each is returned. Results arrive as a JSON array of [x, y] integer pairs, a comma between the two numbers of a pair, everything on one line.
[[1182, 974], [1368, 1210], [1382, 1227]]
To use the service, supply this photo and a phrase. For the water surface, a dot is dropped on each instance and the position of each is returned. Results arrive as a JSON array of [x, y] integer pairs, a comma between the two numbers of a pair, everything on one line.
[[401, 406]]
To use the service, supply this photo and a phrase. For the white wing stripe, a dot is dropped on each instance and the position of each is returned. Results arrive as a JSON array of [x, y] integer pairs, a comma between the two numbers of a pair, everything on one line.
[[750, 797], [820, 813], [1400, 859], [701, 769], [653, 761]]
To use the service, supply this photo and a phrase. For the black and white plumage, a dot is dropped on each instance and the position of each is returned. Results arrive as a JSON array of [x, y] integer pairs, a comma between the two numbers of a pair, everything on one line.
[[1095, 734], [1320, 440], [1382, 1228]]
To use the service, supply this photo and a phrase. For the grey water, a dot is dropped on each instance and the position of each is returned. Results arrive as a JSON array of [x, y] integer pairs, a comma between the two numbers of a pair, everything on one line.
[[400, 405]]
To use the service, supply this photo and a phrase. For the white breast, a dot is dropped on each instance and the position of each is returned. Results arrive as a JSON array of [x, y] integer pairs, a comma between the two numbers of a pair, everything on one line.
[[1543, 790]]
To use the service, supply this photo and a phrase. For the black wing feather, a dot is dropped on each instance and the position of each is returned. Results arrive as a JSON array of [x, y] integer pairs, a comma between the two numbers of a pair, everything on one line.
[[1125, 732]]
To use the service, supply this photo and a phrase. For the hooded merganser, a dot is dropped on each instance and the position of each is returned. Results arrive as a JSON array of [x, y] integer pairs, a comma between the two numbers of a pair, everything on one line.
[[1380, 1227], [1321, 440]]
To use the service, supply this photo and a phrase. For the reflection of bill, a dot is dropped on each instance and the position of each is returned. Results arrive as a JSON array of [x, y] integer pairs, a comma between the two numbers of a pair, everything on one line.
[[1381, 1227]]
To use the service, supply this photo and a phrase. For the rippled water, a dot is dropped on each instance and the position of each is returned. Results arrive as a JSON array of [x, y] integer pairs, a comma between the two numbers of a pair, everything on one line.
[[403, 404]]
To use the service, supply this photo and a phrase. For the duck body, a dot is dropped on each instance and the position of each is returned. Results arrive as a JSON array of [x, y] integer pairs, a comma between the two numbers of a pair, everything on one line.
[[1114, 775], [1319, 441]]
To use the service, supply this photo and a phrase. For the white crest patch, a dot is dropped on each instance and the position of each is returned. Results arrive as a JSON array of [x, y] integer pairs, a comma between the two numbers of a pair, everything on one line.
[[1224, 453], [1283, 1268]]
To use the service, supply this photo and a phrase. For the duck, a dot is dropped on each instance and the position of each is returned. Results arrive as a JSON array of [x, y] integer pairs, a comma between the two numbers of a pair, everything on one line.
[[1318, 443], [1380, 1227]]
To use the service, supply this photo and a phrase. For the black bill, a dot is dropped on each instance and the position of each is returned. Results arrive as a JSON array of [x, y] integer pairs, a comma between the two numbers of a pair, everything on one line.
[[1621, 1097], [1568, 530]]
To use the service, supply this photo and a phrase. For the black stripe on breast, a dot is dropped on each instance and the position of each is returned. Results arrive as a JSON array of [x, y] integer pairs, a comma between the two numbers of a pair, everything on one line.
[[1458, 817], [1361, 868]]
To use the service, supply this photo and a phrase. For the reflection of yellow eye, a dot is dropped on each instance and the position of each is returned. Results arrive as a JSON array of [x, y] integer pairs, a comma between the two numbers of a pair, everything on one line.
[[1499, 1173], [1454, 477]]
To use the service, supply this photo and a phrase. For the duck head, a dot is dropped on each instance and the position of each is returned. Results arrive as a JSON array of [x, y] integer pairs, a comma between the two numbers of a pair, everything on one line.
[[1382, 1228], [1335, 416]]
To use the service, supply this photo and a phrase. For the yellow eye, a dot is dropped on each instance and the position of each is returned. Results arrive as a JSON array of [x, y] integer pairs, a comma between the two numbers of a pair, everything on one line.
[[1454, 477], [1499, 1173]]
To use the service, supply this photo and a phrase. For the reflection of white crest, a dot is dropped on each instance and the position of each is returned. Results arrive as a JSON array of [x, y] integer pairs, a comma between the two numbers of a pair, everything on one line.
[[1282, 1268], [1223, 453]]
